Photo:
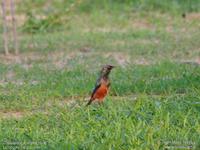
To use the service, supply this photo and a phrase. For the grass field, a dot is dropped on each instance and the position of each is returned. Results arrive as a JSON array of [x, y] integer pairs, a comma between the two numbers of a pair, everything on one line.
[[154, 101]]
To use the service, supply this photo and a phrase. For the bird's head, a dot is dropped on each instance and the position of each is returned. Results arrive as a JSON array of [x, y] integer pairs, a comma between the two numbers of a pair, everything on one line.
[[106, 70]]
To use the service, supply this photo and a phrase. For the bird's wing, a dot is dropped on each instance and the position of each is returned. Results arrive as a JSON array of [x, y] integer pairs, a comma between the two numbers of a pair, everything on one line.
[[98, 84]]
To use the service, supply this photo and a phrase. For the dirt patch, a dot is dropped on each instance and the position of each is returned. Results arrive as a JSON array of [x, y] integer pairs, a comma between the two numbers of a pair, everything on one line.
[[118, 43], [10, 75], [23, 58], [124, 59], [12, 81], [71, 102], [106, 30], [60, 59], [85, 49], [193, 16], [12, 114], [147, 41], [192, 62], [121, 58], [21, 114], [142, 61], [20, 19], [142, 24]]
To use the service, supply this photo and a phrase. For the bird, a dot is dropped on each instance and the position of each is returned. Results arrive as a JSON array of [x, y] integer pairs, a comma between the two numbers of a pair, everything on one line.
[[102, 85]]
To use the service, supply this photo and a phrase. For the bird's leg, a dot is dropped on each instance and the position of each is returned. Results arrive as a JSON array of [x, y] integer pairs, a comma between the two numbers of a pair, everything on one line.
[[100, 102]]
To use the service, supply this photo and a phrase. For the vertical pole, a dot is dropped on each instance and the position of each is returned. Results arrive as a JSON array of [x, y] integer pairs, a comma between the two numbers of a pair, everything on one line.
[[16, 44], [5, 35]]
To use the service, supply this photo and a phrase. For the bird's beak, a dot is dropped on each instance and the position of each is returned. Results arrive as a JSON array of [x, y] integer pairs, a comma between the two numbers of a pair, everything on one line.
[[112, 66]]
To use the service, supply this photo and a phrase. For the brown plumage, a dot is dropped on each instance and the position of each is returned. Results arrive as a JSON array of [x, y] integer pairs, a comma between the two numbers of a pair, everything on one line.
[[102, 85]]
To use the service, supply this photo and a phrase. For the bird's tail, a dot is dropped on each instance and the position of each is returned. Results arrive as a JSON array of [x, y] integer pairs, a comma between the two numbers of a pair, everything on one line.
[[90, 101]]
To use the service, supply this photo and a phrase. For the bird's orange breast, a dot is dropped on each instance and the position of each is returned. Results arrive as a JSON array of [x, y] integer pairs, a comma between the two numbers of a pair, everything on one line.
[[101, 92]]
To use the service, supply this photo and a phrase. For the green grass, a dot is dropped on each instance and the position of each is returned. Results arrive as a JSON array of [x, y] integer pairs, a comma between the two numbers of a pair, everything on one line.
[[120, 124], [154, 98]]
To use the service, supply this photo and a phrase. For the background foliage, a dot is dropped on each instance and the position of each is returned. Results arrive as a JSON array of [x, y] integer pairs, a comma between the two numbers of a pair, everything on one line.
[[154, 100]]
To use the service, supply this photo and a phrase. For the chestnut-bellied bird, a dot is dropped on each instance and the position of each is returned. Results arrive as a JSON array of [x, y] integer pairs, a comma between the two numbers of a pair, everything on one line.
[[102, 85]]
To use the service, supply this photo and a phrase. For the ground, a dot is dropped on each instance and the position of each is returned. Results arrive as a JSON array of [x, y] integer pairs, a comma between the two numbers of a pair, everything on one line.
[[154, 100]]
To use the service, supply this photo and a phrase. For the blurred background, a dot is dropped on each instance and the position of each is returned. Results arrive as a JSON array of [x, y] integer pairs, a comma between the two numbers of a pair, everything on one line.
[[140, 27], [57, 45]]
